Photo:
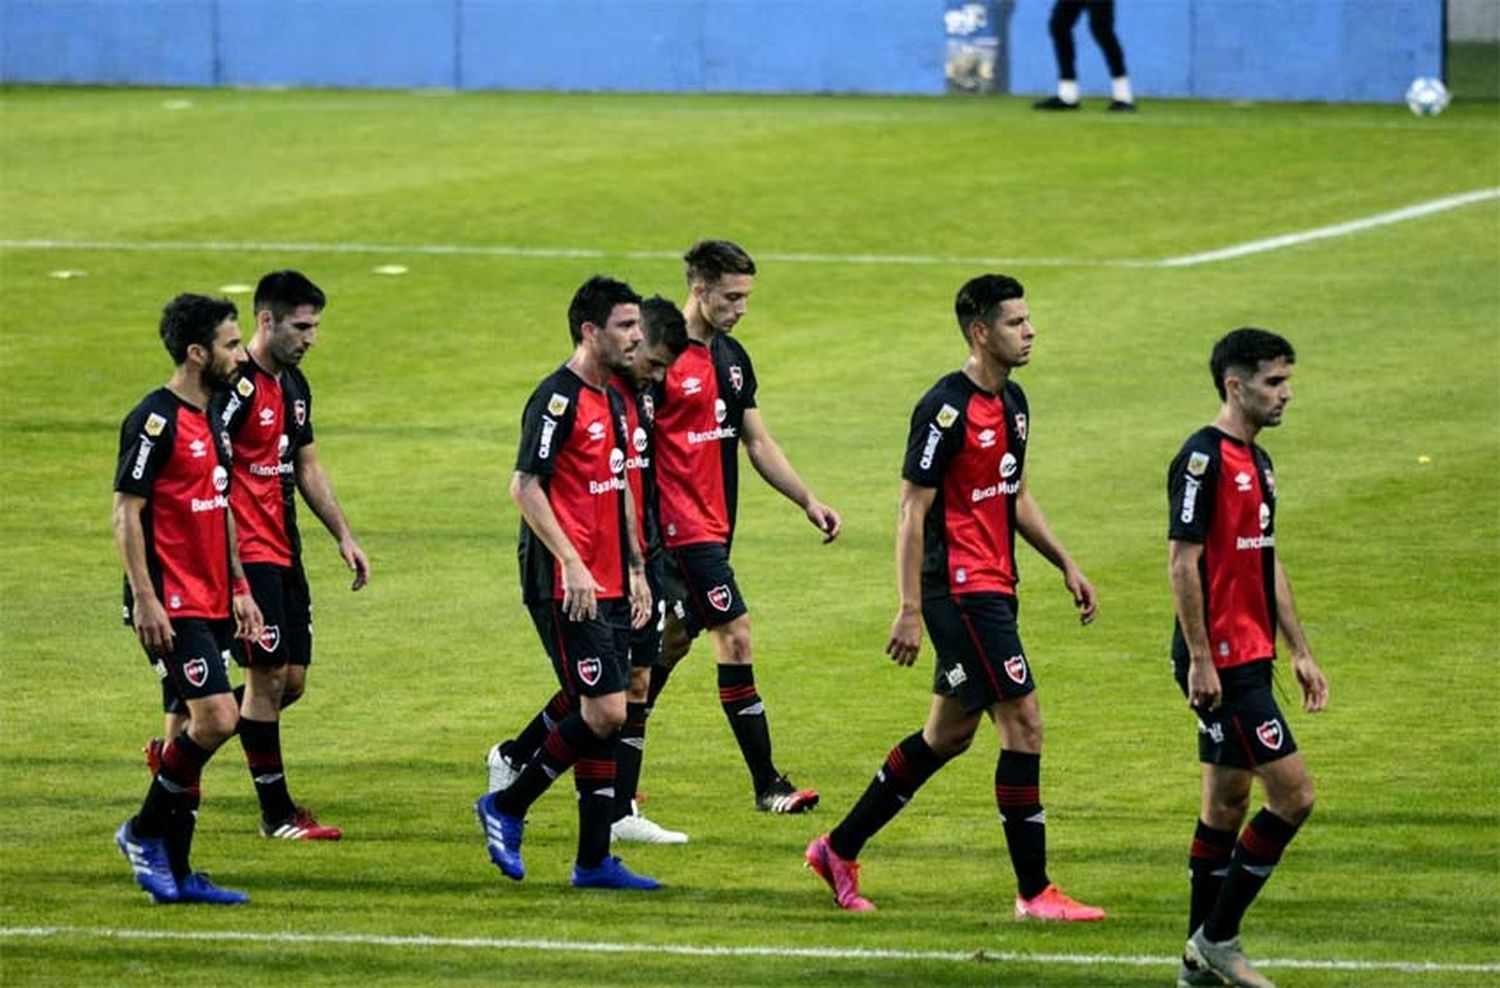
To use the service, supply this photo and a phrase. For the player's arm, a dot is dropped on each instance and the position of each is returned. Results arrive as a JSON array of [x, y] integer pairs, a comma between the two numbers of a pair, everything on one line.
[[1032, 525], [1309, 677], [906, 629], [248, 622], [579, 586], [317, 491], [640, 590], [1187, 598], [152, 625], [771, 463]]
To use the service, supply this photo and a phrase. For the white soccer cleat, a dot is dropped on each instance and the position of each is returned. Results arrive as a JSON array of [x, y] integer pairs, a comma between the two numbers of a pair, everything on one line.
[[637, 828], [502, 772]]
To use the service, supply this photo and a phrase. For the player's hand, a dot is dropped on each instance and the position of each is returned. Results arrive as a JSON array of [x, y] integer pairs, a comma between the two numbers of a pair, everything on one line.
[[641, 604], [152, 626], [906, 637], [1204, 691], [354, 558], [1314, 684], [580, 591], [824, 519], [248, 623], [1083, 594]]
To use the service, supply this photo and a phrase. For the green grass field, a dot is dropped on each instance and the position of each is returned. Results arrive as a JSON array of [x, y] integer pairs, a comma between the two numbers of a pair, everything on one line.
[[866, 214]]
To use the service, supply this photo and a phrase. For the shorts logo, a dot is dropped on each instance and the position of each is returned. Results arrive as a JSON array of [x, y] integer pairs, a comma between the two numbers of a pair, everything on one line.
[[736, 377], [270, 638], [196, 671], [1270, 734], [946, 416], [956, 677], [245, 387], [721, 597], [154, 424], [1015, 668], [299, 411], [1021, 426], [1197, 464], [589, 670], [1215, 731]]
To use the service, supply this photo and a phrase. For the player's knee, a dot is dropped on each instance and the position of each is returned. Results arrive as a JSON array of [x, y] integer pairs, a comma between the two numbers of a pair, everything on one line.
[[294, 684], [289, 695], [1294, 803], [640, 684], [214, 723], [951, 745], [605, 715]]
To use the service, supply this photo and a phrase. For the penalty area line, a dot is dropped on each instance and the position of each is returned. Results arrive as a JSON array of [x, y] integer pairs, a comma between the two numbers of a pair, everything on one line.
[[691, 950]]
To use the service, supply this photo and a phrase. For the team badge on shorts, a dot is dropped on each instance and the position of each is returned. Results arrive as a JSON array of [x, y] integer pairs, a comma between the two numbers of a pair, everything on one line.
[[196, 671], [1270, 734], [270, 638], [1015, 668], [589, 670], [721, 597]]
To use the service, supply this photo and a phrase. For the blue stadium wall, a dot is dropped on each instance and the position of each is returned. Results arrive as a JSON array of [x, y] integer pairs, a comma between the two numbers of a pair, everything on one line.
[[1323, 50]]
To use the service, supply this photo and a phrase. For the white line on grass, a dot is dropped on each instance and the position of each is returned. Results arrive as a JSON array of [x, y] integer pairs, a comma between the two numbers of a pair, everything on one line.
[[502, 250], [690, 950]]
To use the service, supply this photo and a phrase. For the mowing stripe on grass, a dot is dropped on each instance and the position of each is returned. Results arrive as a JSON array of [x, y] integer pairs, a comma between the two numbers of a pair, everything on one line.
[[690, 950], [908, 260]]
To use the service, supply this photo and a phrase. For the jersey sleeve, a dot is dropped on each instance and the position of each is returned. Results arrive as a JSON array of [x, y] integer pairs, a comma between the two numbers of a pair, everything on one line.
[[146, 438], [299, 410], [545, 425], [747, 394], [935, 437], [229, 411], [1190, 491]]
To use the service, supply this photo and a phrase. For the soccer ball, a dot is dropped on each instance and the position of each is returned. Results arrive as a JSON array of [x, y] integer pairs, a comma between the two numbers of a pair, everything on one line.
[[1427, 97]]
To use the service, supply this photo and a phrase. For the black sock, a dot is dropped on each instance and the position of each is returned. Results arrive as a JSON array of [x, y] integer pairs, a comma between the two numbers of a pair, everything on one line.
[[563, 747], [182, 761], [659, 676], [261, 740], [1255, 856], [525, 746], [747, 718], [906, 767], [180, 827], [630, 748], [1018, 794], [1208, 864], [594, 778]]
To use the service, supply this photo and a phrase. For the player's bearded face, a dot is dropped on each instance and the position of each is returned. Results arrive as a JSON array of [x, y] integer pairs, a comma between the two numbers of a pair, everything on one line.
[[293, 334], [723, 303], [617, 341], [224, 356]]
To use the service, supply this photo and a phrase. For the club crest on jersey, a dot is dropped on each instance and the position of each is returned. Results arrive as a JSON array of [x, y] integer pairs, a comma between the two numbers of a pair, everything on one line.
[[1270, 483], [246, 387], [721, 597], [589, 670], [946, 416], [1270, 734], [1021, 426], [270, 638], [1015, 668], [648, 407], [299, 411], [1197, 464], [557, 404], [154, 424], [736, 377], [196, 671]]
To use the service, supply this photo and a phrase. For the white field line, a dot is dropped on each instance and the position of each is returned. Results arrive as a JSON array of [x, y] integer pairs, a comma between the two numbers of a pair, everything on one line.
[[690, 950], [502, 250]]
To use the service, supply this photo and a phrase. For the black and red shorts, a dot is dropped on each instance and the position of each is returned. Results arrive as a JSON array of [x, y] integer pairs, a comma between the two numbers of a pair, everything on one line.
[[1247, 729], [590, 657], [286, 605], [199, 664], [700, 588], [980, 660]]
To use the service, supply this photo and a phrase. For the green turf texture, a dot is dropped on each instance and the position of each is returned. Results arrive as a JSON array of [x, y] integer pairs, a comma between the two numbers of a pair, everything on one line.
[[419, 381]]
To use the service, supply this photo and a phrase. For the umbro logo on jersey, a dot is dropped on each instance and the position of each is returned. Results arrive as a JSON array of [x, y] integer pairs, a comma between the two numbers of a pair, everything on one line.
[[721, 597], [589, 670], [596, 431], [195, 671], [1271, 734], [267, 417], [691, 385], [1015, 668], [270, 638], [154, 424], [1242, 482], [986, 438], [736, 377], [199, 448]]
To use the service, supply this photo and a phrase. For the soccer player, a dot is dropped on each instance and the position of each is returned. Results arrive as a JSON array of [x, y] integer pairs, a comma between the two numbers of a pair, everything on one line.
[[1232, 595], [183, 583], [583, 579], [963, 500], [267, 414], [664, 337], [1065, 14], [708, 406]]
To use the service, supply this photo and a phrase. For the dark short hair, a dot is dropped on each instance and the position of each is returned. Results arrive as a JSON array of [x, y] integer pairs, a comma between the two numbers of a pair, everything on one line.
[[190, 319], [663, 322], [1244, 350], [283, 292], [709, 260], [595, 300], [980, 298]]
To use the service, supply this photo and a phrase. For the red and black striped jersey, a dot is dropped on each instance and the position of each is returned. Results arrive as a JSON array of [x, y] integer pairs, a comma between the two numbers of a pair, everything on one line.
[[1222, 495], [699, 420], [267, 418], [970, 445], [573, 438], [170, 456]]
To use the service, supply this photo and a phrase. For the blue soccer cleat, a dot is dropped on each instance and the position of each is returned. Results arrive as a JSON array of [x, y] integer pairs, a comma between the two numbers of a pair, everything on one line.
[[502, 836], [197, 888], [147, 857], [611, 873]]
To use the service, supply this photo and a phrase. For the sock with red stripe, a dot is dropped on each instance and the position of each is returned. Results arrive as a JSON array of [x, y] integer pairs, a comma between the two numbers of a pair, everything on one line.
[[261, 740], [906, 767], [525, 746], [630, 748], [747, 718], [594, 778], [182, 762], [1208, 864], [1018, 794], [1255, 856], [568, 742]]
